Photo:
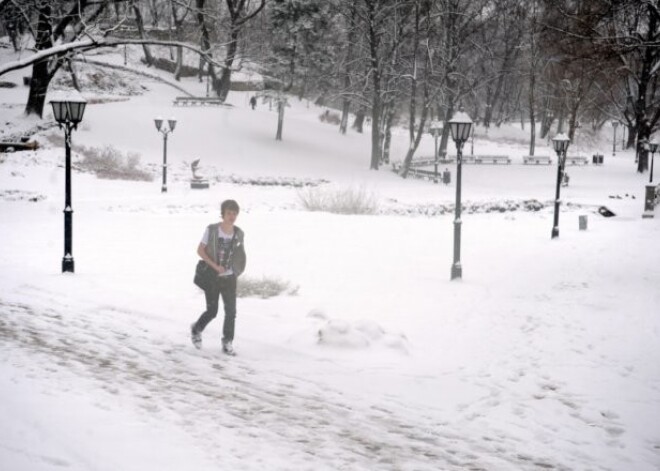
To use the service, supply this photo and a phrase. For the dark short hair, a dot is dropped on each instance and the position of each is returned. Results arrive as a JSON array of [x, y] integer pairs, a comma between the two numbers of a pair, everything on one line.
[[230, 205]]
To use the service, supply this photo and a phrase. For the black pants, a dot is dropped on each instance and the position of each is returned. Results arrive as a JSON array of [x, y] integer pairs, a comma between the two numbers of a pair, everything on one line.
[[225, 286]]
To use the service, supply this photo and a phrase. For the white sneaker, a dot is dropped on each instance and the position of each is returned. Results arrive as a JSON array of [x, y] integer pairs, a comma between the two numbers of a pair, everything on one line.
[[195, 336], [228, 348]]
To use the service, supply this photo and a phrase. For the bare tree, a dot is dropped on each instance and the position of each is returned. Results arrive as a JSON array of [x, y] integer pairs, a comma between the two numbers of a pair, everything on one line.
[[53, 21], [240, 12]]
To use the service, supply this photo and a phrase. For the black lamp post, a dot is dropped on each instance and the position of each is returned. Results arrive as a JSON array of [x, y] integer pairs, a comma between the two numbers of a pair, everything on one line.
[[560, 142], [165, 130], [653, 147], [68, 112], [614, 126], [460, 126]]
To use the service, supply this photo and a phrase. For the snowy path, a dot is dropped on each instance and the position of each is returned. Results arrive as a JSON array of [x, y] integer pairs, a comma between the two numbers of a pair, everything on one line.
[[232, 408]]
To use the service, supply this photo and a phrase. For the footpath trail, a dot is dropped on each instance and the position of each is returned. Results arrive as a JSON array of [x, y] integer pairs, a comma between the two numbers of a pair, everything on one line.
[[236, 412]]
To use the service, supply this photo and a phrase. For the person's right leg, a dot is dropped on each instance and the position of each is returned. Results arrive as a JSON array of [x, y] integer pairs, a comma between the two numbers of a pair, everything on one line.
[[212, 296]]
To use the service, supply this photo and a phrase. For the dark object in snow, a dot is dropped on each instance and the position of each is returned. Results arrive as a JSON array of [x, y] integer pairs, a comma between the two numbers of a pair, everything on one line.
[[331, 118], [16, 146], [253, 102], [446, 177], [582, 221], [605, 212], [7, 85]]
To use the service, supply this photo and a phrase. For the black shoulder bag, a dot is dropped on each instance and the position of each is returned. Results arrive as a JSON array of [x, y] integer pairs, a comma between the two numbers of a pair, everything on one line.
[[205, 275]]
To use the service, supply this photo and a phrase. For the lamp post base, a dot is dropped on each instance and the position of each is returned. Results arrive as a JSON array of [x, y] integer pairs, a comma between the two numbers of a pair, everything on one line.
[[456, 271], [555, 233], [199, 184], [163, 189], [67, 265]]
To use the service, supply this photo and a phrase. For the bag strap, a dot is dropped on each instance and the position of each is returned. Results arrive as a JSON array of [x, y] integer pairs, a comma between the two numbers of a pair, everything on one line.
[[216, 255]]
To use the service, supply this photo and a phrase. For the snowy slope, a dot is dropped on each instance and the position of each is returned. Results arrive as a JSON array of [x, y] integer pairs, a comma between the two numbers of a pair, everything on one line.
[[545, 356]]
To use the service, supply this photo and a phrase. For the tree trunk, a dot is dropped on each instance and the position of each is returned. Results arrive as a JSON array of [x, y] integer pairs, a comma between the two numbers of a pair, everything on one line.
[[280, 120], [225, 77], [345, 107], [375, 129], [358, 123], [414, 143], [38, 89], [346, 103], [74, 76], [148, 58], [387, 139], [179, 61], [153, 8], [444, 140], [41, 76], [643, 137], [206, 38]]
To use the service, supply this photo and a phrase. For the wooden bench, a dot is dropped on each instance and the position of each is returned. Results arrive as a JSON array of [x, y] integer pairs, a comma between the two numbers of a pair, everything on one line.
[[415, 171], [195, 101], [537, 159], [492, 159], [18, 146], [423, 162], [576, 159]]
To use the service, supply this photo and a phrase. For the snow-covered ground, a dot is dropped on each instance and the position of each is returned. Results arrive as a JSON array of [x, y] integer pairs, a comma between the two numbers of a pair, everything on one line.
[[545, 355]]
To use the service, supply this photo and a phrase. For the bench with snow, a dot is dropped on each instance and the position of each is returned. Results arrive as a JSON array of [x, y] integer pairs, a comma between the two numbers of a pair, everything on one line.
[[492, 159], [416, 172], [444, 158], [537, 159], [18, 146], [195, 101], [424, 162], [414, 164], [576, 160]]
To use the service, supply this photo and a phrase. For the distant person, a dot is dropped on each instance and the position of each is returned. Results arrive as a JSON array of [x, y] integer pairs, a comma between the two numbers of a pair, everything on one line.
[[253, 102], [222, 249]]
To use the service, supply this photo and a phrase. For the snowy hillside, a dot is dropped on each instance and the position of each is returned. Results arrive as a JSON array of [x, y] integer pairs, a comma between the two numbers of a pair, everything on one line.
[[545, 355]]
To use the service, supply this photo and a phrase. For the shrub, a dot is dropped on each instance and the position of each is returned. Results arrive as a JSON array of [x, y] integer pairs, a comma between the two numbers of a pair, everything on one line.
[[347, 201], [107, 162], [110, 163], [264, 288], [328, 117]]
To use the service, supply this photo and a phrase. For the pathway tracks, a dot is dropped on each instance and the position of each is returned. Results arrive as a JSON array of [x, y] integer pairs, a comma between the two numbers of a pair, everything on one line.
[[232, 402]]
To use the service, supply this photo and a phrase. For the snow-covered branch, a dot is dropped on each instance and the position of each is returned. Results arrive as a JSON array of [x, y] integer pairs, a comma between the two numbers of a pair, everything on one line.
[[88, 44]]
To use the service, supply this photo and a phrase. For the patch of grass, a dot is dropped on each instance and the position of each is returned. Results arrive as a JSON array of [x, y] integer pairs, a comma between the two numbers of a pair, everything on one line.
[[264, 288], [347, 201]]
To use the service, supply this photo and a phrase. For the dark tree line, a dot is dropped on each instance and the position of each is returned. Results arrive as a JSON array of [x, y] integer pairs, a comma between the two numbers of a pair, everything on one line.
[[560, 63]]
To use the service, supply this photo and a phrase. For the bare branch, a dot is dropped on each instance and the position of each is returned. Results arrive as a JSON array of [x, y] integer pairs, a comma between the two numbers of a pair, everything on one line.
[[89, 44]]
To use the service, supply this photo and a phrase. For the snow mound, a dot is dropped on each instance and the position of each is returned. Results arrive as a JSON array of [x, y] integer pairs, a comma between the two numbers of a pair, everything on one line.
[[357, 335]]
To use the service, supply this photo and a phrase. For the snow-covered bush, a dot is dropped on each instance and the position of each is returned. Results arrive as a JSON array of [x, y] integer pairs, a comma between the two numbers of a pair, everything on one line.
[[346, 201], [105, 162], [264, 287], [110, 163]]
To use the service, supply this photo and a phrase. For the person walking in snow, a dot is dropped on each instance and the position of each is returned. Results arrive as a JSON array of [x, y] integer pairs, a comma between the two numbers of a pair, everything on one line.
[[253, 102], [222, 249]]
